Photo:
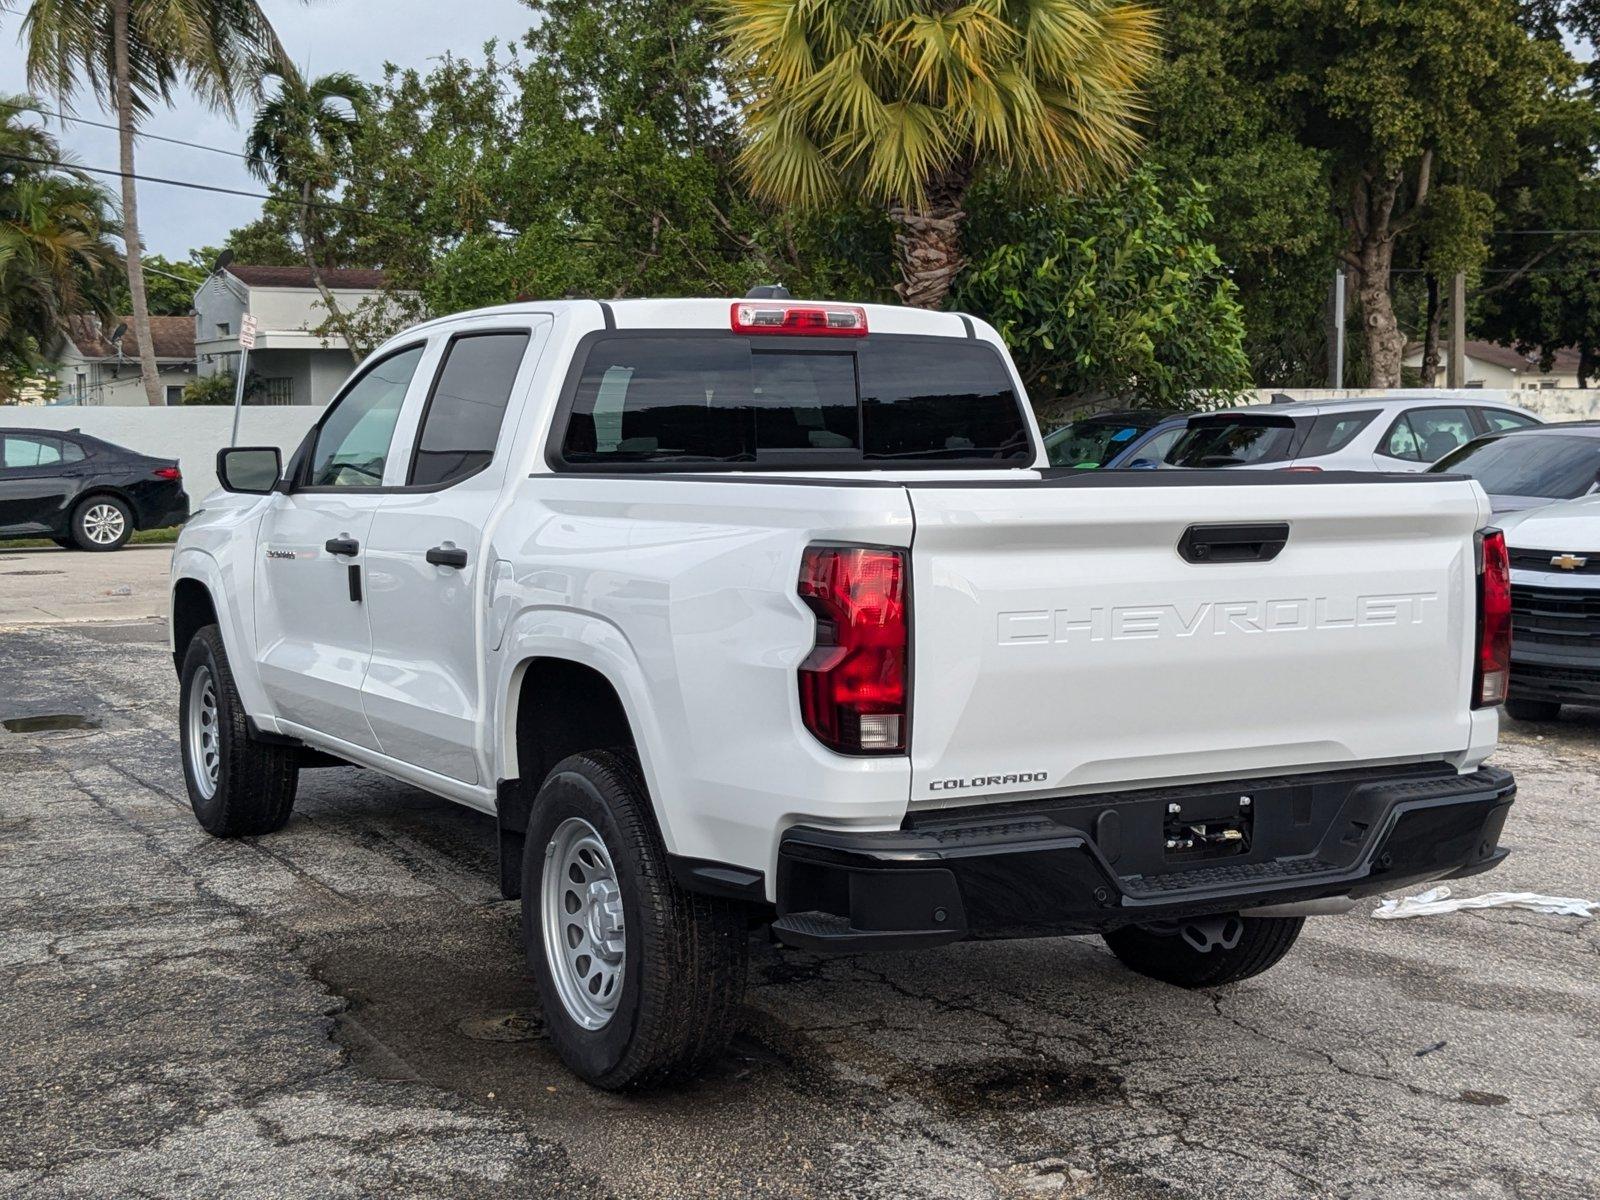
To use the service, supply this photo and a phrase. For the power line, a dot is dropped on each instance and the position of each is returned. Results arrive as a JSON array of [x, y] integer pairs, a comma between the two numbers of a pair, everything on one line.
[[154, 137]]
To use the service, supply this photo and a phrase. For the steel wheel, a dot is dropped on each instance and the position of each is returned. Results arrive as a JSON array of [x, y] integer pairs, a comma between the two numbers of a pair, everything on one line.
[[205, 744], [104, 524], [584, 942]]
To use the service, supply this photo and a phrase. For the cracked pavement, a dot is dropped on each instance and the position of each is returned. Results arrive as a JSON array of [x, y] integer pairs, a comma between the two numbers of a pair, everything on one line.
[[340, 1010]]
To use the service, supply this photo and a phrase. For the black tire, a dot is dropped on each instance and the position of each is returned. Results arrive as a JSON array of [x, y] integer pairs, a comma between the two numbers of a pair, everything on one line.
[[1167, 957], [253, 791], [1537, 711], [685, 955], [96, 519], [65, 543]]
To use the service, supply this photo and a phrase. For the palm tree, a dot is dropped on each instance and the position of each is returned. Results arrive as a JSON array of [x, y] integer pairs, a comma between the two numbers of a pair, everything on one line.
[[905, 102], [132, 54], [298, 136], [55, 259]]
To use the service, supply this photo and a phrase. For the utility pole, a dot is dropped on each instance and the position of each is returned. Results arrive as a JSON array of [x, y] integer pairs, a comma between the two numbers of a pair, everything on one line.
[[1336, 332], [1456, 377]]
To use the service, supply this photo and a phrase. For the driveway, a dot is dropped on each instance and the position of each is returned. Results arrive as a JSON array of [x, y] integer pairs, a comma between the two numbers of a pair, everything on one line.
[[52, 586], [339, 1010]]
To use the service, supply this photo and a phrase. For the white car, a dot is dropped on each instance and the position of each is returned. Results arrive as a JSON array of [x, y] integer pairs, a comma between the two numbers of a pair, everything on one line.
[[1555, 605], [1405, 432], [770, 615]]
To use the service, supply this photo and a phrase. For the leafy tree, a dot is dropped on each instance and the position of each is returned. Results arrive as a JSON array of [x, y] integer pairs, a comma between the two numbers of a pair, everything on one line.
[[1110, 298], [169, 286], [55, 259], [132, 54], [299, 136], [1387, 100], [906, 103]]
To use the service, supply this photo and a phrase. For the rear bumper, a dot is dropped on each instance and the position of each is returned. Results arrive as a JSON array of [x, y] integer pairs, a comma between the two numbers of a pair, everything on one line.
[[1091, 864]]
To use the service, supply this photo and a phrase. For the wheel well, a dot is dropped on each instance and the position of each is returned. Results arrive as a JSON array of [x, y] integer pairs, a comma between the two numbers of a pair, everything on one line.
[[192, 611], [563, 708]]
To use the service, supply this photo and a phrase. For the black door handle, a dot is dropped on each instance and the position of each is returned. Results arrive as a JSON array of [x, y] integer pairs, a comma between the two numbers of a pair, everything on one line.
[[342, 545], [447, 556], [1233, 543]]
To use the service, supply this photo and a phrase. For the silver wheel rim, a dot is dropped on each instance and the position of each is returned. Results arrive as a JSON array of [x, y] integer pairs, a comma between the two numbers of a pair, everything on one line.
[[103, 524], [584, 942], [205, 743]]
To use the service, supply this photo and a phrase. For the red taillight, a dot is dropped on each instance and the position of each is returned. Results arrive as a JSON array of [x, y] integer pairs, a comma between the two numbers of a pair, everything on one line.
[[167, 473], [1492, 678], [802, 320], [853, 683], [1300, 469]]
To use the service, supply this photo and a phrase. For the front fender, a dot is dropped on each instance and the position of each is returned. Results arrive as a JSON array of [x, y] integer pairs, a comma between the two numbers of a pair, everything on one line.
[[218, 552], [593, 642]]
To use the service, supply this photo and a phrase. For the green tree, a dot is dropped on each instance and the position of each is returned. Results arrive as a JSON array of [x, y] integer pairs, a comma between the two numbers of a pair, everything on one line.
[[1115, 298], [300, 135], [906, 103], [131, 55], [169, 287], [1383, 102], [55, 256]]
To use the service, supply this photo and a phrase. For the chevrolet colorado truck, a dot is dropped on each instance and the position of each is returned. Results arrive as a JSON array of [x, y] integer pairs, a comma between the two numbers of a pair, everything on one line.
[[771, 615]]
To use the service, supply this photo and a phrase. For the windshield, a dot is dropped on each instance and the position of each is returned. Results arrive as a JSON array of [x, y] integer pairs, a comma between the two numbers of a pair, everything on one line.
[[1095, 441], [1231, 443], [1552, 465]]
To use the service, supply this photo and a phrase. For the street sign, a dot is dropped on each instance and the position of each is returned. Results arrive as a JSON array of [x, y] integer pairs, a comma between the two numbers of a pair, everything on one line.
[[247, 333]]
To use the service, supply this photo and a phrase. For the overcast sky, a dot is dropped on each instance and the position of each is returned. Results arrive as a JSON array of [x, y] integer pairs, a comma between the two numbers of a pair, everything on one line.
[[327, 35]]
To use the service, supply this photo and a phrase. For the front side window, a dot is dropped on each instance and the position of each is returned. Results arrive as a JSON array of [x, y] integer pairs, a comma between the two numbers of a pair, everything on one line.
[[648, 399], [462, 424], [1499, 418], [23, 450], [352, 447]]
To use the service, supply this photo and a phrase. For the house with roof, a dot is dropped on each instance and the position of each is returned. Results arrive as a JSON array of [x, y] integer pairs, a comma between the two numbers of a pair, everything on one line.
[[298, 357], [1490, 365], [98, 363]]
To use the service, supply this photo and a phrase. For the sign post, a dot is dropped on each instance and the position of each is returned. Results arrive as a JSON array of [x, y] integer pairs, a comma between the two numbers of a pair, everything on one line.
[[247, 343]]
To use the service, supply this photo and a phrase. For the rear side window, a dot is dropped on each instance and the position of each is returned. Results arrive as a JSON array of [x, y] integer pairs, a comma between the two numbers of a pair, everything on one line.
[[1428, 434], [1334, 431], [1232, 443], [461, 424], [665, 399]]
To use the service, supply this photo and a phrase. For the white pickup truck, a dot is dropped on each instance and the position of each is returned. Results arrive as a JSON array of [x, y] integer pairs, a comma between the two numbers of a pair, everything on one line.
[[770, 615]]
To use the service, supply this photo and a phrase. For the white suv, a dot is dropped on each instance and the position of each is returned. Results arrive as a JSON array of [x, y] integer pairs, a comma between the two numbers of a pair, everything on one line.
[[1404, 432]]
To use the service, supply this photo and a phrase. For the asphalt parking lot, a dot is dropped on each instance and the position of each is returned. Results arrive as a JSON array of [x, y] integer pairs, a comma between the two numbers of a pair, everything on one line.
[[340, 1010]]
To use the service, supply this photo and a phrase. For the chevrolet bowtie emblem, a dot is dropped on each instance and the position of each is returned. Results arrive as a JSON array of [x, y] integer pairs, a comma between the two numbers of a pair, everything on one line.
[[1569, 562]]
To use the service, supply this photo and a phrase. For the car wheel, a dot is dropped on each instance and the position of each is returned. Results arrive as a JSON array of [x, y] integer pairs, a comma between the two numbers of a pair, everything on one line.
[[1533, 710], [65, 543], [102, 523], [641, 982], [1169, 957], [238, 786]]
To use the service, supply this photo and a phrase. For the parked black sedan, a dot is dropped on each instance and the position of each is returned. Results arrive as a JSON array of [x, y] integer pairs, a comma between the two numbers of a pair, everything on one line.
[[1527, 468], [79, 491]]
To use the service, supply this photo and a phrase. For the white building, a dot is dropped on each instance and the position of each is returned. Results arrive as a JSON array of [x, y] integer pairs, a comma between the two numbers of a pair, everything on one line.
[[98, 365], [297, 357], [1494, 366]]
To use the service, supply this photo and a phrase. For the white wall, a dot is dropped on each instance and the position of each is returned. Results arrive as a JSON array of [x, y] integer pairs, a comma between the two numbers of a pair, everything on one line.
[[1551, 404], [192, 435]]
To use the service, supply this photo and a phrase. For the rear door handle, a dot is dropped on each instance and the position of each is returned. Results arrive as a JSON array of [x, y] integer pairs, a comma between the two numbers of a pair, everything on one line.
[[1233, 543], [342, 545], [447, 556]]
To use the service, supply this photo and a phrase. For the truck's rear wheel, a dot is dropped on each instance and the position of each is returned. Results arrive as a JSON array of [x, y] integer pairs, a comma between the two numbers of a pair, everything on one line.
[[1169, 957], [1533, 710], [640, 981], [237, 785]]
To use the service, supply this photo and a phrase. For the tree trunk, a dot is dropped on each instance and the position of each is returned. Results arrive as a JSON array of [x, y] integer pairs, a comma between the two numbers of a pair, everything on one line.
[[122, 99], [335, 313], [1585, 364], [927, 243], [1430, 335]]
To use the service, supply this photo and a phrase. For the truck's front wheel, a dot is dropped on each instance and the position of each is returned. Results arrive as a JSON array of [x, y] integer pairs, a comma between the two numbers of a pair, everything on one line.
[[1168, 956], [640, 981], [237, 785]]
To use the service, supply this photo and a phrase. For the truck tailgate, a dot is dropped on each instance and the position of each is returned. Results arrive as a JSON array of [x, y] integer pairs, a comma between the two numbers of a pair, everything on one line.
[[1062, 642]]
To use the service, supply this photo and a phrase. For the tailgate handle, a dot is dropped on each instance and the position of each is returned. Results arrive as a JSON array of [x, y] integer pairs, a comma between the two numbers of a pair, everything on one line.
[[1233, 543]]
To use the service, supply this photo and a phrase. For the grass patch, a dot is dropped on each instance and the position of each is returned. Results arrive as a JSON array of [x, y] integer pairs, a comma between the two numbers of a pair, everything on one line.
[[141, 537]]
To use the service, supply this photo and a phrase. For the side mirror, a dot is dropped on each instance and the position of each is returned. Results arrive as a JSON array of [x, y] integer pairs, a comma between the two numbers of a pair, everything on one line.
[[253, 470], [1143, 464]]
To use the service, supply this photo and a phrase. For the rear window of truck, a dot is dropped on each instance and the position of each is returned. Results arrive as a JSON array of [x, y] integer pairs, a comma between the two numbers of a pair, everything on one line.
[[676, 398]]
